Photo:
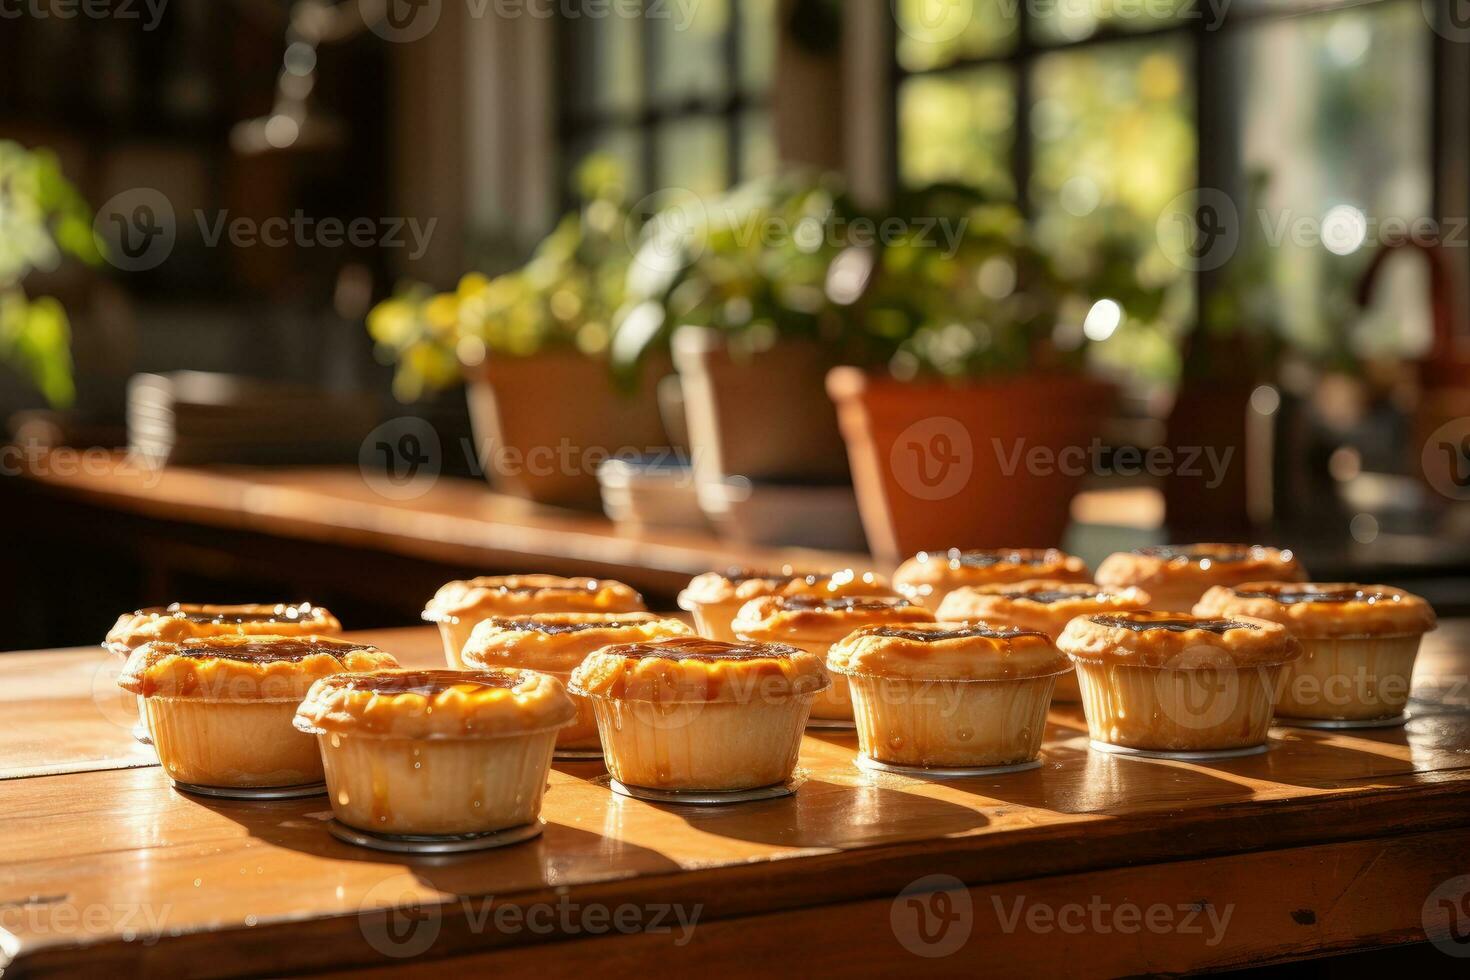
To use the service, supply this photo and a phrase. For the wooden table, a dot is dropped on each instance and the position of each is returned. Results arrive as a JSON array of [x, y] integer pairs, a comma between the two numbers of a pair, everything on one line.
[[1091, 865], [237, 533]]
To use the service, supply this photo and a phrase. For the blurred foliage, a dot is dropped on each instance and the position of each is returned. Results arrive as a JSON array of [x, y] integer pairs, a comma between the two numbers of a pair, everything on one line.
[[935, 33], [566, 296], [959, 126], [941, 283], [1114, 149], [43, 219]]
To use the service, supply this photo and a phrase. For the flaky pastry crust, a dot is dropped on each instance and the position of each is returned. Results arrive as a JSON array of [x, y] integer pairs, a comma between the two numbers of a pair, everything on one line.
[[243, 668], [744, 584], [558, 642], [184, 621], [947, 651], [436, 704], [695, 669], [1198, 566], [1177, 640], [522, 595], [808, 619], [1047, 605], [929, 572], [1323, 610]]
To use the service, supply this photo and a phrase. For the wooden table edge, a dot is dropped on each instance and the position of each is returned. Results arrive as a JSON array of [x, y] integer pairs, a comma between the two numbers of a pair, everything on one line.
[[861, 873]]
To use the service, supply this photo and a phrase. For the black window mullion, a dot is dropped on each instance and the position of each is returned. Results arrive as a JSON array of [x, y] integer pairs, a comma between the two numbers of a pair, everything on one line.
[[734, 43], [648, 127]]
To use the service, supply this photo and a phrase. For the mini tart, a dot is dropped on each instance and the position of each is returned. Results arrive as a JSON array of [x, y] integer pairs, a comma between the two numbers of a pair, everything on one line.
[[814, 624], [715, 597], [220, 708], [458, 606], [1359, 644], [949, 694], [1176, 576], [1047, 605], [555, 643], [434, 752], [187, 621], [1174, 682], [929, 576], [697, 714]]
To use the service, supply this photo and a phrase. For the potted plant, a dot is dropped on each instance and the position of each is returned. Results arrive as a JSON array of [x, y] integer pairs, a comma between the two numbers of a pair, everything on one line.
[[548, 402], [740, 281], [975, 430], [42, 218]]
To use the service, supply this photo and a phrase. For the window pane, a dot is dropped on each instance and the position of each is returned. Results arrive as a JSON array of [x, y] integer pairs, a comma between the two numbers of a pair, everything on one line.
[[1336, 133], [1114, 144], [691, 155], [689, 50], [1074, 20], [958, 126], [757, 145], [606, 53], [935, 33], [757, 44]]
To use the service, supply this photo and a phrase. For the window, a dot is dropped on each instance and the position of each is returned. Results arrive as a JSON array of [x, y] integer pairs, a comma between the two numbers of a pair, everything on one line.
[[679, 96], [1102, 118]]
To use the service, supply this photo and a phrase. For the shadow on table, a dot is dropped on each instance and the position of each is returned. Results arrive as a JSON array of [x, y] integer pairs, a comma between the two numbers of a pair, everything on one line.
[[827, 814], [1316, 759], [561, 853]]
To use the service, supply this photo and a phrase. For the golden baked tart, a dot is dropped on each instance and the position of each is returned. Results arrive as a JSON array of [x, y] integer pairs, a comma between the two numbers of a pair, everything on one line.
[[1174, 682], [692, 713], [929, 576], [220, 707], [1177, 576], [715, 597], [436, 752], [555, 643], [185, 621], [949, 694], [1046, 605], [458, 606], [814, 624], [1359, 643]]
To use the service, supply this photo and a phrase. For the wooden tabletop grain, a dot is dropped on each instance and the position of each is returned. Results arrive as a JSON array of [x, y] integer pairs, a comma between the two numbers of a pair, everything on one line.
[[449, 519], [1091, 865]]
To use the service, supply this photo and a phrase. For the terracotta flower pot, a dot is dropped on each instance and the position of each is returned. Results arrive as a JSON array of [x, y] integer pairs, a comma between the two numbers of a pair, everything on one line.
[[544, 423], [979, 465], [765, 416]]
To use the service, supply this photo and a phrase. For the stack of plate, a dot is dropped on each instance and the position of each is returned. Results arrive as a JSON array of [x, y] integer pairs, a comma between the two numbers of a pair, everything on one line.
[[193, 417]]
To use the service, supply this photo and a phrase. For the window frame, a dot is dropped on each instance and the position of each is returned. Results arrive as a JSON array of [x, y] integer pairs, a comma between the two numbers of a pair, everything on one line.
[[1211, 70], [648, 118]]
